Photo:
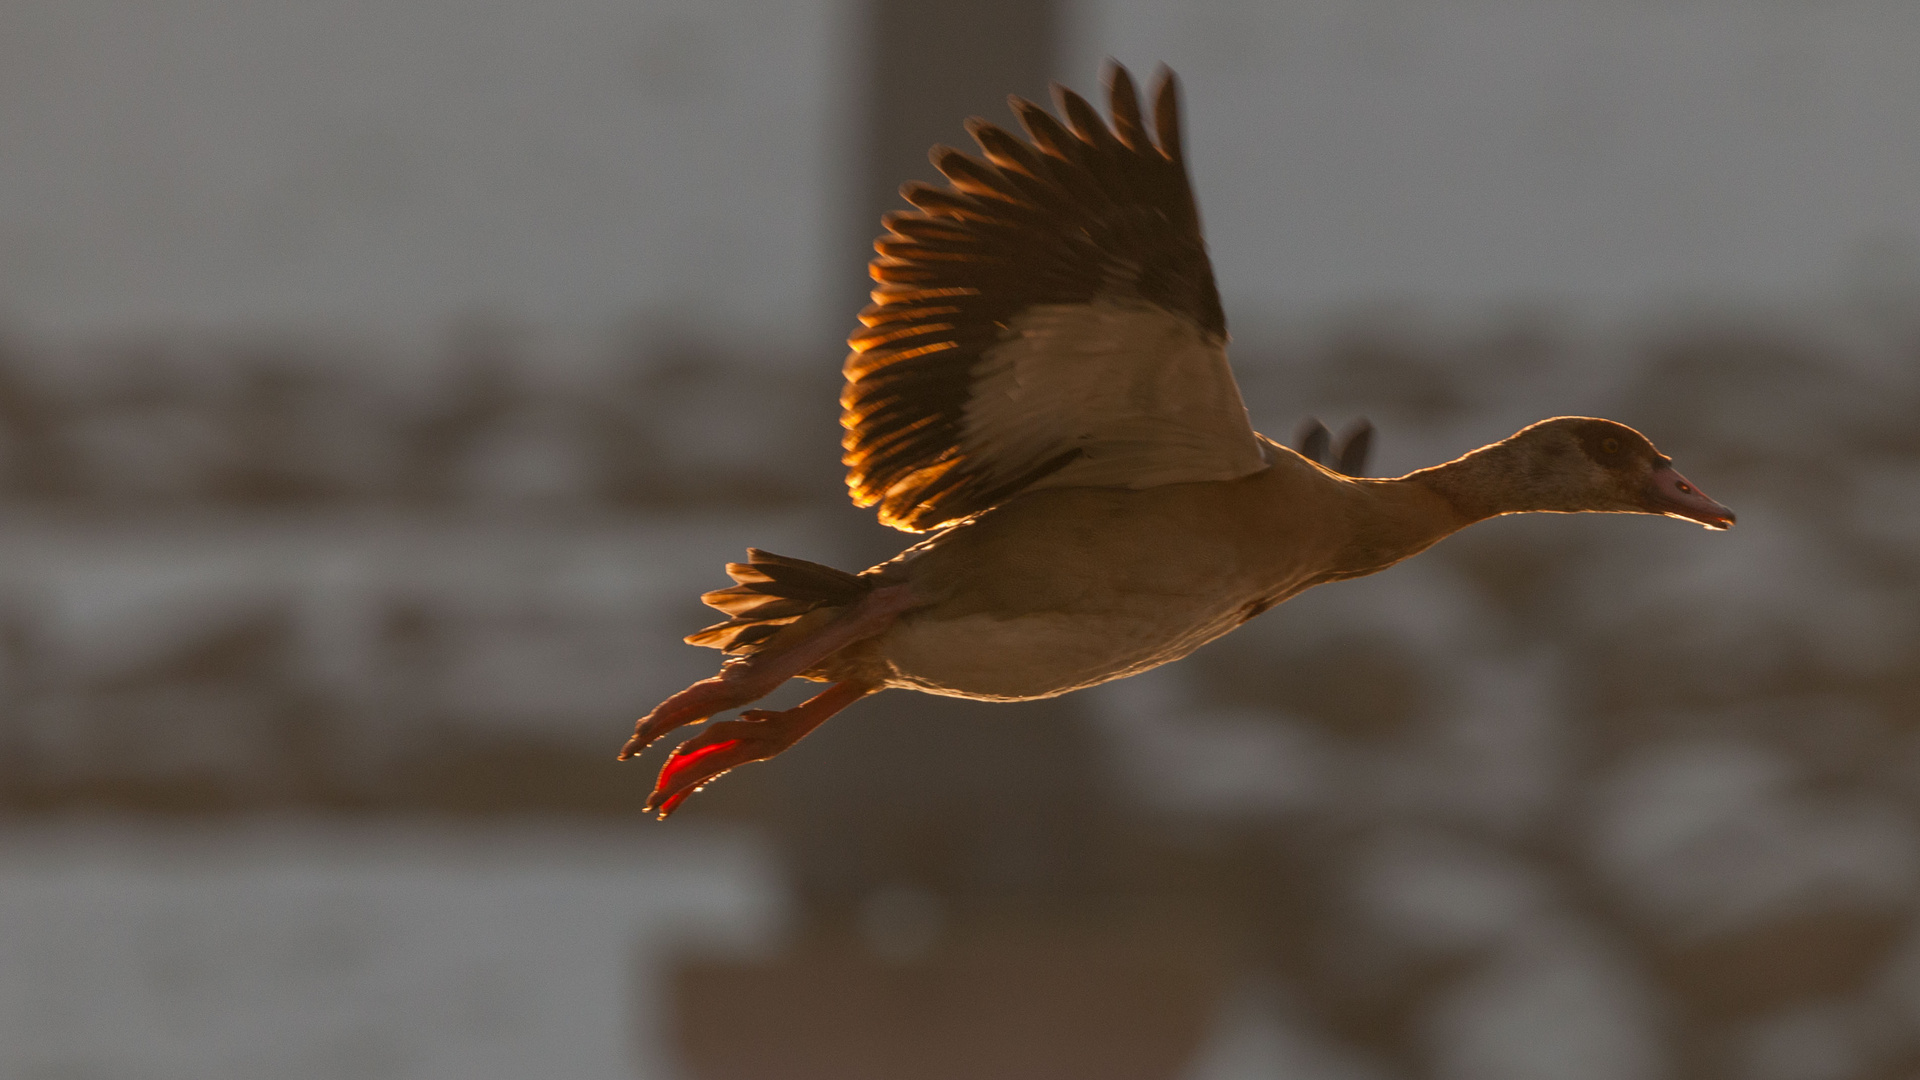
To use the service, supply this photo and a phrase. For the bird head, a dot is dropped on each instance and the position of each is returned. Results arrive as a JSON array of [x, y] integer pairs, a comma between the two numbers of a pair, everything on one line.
[[1578, 463]]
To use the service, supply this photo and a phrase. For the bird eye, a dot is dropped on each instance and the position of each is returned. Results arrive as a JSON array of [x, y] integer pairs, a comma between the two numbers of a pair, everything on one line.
[[1610, 446]]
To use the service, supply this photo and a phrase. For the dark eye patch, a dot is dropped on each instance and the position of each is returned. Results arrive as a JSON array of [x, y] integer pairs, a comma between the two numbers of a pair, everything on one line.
[[1613, 445]]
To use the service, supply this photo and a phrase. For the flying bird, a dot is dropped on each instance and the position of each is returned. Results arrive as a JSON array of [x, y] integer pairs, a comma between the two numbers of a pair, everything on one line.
[[1041, 383]]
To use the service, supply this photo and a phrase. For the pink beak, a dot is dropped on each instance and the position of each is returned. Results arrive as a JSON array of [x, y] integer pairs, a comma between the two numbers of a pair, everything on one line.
[[1673, 496]]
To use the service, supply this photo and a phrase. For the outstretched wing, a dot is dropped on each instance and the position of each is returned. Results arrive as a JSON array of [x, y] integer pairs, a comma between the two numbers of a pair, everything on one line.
[[1048, 319]]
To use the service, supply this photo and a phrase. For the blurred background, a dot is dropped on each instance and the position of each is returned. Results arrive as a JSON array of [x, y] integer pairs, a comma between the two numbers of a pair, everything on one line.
[[380, 385]]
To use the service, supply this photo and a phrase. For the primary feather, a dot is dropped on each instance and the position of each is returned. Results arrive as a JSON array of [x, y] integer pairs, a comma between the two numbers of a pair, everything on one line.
[[1049, 320]]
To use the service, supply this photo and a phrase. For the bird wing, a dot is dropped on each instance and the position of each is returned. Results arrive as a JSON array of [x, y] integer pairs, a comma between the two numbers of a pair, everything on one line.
[[1048, 319]]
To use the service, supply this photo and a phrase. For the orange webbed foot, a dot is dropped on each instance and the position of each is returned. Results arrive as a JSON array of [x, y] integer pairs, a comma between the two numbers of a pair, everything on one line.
[[745, 679], [689, 706], [755, 735], [708, 755]]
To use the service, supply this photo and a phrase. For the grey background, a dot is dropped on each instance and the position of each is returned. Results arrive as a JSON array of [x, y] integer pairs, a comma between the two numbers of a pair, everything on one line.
[[380, 385]]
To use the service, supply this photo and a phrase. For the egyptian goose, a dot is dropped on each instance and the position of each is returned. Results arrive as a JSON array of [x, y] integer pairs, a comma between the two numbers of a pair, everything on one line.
[[1041, 381]]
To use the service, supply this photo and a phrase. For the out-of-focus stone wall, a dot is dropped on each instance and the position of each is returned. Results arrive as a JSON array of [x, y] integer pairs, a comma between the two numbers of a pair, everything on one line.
[[1595, 796], [247, 572]]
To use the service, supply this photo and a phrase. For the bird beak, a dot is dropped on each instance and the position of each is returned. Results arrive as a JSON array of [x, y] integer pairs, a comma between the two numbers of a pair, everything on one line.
[[1673, 496]]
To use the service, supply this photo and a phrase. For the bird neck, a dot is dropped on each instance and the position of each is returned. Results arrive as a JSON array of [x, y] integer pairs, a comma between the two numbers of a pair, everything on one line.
[[1390, 520], [1493, 480]]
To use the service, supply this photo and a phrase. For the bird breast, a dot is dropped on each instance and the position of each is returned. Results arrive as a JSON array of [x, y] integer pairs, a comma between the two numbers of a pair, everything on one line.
[[1037, 656], [1063, 589]]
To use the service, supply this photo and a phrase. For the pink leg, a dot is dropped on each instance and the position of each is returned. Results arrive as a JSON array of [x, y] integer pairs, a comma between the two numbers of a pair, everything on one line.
[[743, 681], [756, 735]]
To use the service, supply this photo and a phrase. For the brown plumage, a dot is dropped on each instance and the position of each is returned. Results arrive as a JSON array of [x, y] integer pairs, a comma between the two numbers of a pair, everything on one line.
[[1042, 377]]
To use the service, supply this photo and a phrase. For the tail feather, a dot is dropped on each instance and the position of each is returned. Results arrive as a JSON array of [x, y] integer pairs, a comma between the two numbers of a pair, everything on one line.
[[797, 577], [771, 591]]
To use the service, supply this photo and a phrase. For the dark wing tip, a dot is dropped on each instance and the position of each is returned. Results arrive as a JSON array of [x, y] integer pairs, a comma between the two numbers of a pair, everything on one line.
[[1166, 112], [1045, 132], [1123, 102], [1083, 119], [1356, 446], [1312, 439]]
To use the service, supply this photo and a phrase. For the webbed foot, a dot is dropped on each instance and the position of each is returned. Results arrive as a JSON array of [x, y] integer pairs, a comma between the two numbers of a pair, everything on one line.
[[748, 679], [755, 735]]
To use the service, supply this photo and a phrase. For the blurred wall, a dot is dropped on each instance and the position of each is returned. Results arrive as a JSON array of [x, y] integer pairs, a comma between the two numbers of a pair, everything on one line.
[[381, 388], [1611, 156], [275, 164], [219, 164]]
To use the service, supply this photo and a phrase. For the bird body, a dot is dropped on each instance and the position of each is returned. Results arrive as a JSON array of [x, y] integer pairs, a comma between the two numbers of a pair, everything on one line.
[[1042, 383], [1090, 584]]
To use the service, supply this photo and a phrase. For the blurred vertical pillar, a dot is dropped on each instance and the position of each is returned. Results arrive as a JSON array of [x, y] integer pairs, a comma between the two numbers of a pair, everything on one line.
[[930, 64], [927, 65], [949, 859], [968, 801]]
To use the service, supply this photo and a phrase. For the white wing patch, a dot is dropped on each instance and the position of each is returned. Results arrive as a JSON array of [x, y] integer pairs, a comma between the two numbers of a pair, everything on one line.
[[1140, 392]]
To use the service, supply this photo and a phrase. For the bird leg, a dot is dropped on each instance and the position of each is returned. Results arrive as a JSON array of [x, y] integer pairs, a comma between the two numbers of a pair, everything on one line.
[[746, 680], [755, 735]]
